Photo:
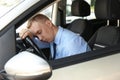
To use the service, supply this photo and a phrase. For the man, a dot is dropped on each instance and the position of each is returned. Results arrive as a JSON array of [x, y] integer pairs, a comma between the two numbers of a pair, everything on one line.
[[67, 42]]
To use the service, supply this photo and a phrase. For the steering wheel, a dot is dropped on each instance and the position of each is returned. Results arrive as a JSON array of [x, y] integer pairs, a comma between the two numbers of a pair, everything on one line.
[[28, 41]]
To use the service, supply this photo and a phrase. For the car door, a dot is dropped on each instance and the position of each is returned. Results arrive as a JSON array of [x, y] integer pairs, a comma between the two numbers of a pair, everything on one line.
[[15, 13]]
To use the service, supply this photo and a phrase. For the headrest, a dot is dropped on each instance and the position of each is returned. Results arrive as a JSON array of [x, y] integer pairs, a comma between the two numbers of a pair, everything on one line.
[[107, 9], [80, 8]]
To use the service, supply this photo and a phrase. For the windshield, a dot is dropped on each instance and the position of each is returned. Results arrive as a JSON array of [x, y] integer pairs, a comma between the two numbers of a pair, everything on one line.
[[10, 9], [7, 5]]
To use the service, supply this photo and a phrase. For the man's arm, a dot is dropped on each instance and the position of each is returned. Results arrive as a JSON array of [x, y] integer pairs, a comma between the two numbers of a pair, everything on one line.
[[41, 44]]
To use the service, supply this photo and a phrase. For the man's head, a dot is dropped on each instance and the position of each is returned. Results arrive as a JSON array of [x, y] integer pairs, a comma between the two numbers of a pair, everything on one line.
[[42, 27]]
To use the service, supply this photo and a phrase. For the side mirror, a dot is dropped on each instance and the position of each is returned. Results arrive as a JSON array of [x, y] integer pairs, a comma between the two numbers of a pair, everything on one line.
[[27, 66]]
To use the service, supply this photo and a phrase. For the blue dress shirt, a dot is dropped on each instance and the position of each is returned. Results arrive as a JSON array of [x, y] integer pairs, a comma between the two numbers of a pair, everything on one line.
[[67, 43]]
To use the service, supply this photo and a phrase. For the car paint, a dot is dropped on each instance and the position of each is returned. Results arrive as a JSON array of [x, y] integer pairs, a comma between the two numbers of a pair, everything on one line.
[[105, 68]]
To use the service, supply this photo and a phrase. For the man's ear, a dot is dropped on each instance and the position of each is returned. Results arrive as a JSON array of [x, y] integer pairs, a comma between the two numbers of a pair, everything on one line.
[[49, 23]]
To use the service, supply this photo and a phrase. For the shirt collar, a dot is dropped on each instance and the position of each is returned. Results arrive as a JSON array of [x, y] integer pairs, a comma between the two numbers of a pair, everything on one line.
[[58, 35]]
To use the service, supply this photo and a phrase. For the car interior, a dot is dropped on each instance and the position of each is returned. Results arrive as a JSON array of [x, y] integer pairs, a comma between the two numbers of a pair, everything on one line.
[[106, 34], [80, 26], [95, 31], [109, 34], [86, 28], [101, 33]]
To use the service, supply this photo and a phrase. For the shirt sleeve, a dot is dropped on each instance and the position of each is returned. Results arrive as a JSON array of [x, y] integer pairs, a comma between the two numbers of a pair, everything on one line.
[[40, 44]]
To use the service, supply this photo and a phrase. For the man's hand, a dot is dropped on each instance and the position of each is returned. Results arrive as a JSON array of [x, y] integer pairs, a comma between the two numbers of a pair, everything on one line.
[[24, 33]]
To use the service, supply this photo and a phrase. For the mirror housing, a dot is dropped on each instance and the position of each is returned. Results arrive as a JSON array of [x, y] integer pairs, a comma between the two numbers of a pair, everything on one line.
[[27, 66]]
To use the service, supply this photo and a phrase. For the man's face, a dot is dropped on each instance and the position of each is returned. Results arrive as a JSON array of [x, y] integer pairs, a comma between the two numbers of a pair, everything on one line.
[[43, 30]]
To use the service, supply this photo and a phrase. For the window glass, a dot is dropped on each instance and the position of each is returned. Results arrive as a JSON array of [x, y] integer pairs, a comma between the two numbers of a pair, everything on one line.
[[10, 9], [70, 18], [7, 5]]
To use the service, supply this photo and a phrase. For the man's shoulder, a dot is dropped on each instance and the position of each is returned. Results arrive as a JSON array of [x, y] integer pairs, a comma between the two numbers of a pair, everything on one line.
[[69, 34]]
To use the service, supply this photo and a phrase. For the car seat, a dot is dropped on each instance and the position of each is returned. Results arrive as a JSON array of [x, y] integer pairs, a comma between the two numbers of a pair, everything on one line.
[[82, 26], [108, 35], [81, 9]]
